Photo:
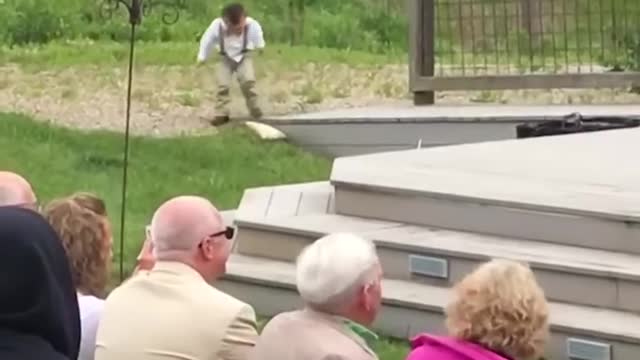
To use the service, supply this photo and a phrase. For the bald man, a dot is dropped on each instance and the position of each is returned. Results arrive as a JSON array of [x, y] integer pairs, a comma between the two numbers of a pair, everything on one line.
[[171, 312], [16, 191]]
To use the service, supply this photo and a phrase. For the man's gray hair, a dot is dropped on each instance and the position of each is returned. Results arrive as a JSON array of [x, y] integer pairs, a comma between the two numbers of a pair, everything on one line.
[[331, 270]]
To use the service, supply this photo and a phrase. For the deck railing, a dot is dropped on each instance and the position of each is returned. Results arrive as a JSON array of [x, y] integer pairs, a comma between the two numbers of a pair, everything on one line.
[[522, 44]]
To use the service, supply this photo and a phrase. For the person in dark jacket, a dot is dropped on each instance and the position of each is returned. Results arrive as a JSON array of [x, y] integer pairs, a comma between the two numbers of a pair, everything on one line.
[[39, 317]]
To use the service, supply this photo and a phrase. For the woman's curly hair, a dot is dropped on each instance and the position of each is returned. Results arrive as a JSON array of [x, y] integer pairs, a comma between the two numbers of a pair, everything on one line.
[[81, 222], [501, 307]]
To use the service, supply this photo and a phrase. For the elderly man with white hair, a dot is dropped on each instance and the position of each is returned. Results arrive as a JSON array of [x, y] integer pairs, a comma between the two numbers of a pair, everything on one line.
[[171, 311], [16, 191], [339, 279]]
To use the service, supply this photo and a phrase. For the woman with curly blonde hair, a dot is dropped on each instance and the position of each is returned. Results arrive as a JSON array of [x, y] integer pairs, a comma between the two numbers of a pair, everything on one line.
[[82, 224], [499, 312]]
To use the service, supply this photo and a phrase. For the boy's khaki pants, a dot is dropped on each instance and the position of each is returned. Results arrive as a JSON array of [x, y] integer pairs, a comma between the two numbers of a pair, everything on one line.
[[247, 79]]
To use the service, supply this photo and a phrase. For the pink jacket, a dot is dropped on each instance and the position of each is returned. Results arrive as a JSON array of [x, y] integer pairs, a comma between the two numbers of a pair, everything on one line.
[[429, 347]]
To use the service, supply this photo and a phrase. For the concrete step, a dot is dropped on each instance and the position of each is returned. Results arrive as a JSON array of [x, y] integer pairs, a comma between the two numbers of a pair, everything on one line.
[[581, 190], [279, 222], [411, 308], [440, 257]]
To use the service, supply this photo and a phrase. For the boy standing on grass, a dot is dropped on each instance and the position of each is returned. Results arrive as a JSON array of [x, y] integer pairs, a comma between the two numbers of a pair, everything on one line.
[[235, 35]]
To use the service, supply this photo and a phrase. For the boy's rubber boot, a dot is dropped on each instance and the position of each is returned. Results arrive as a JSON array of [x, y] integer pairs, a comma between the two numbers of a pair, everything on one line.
[[220, 120]]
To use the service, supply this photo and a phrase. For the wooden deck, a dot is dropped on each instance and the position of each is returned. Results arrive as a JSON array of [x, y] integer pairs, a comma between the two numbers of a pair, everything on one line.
[[463, 113], [388, 128], [584, 174], [569, 206]]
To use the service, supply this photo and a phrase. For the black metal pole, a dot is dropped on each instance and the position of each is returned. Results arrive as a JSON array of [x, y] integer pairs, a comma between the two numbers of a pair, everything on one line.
[[135, 9], [135, 14]]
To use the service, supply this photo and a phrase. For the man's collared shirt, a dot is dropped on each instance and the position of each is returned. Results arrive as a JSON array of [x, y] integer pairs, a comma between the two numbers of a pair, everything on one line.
[[233, 44], [363, 332]]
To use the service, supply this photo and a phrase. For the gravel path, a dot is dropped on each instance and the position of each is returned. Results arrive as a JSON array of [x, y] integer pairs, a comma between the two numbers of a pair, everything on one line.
[[174, 100]]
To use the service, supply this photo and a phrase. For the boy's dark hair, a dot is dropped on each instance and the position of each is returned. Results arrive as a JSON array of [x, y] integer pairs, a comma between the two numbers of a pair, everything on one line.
[[233, 13]]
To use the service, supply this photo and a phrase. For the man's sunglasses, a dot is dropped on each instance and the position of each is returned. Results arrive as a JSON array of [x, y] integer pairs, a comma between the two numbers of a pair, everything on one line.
[[228, 233]]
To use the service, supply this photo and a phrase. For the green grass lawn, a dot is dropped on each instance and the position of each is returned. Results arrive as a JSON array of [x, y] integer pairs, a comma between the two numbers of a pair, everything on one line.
[[61, 54], [60, 161], [276, 57], [220, 167]]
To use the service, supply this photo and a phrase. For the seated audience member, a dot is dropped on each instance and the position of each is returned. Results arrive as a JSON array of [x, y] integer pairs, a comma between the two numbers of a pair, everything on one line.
[[16, 191], [81, 222], [171, 311], [499, 313], [339, 279], [39, 317]]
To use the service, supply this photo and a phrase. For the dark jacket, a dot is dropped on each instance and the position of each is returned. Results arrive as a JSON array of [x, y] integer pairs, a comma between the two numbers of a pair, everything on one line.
[[39, 318]]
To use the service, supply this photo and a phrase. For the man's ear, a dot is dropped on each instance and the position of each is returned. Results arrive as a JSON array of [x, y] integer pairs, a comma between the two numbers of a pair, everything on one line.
[[365, 296], [206, 251]]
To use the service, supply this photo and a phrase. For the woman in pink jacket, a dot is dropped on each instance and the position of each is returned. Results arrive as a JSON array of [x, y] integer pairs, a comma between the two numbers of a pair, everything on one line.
[[499, 312]]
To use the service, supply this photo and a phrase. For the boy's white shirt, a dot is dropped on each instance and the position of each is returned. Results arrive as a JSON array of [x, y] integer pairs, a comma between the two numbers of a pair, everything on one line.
[[233, 44]]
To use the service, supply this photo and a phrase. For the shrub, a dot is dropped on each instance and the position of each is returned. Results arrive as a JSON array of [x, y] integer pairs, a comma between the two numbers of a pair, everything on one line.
[[33, 21], [357, 24]]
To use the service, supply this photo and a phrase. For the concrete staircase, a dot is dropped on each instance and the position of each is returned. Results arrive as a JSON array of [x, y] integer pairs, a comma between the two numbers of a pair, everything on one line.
[[567, 205]]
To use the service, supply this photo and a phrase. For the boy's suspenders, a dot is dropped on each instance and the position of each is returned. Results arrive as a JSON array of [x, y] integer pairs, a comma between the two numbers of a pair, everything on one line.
[[245, 40], [221, 36]]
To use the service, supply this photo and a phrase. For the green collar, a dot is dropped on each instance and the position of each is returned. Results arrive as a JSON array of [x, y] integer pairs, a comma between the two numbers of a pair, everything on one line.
[[369, 337]]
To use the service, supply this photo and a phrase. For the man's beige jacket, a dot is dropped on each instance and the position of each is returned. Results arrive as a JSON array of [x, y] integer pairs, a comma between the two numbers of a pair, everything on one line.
[[172, 313], [310, 335]]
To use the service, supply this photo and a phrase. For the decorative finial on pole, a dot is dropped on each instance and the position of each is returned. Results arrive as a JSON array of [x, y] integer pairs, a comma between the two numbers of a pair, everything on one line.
[[136, 9], [135, 13]]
